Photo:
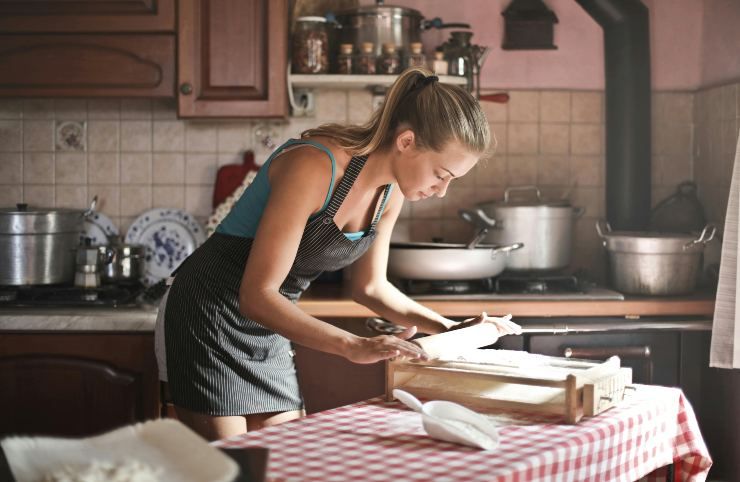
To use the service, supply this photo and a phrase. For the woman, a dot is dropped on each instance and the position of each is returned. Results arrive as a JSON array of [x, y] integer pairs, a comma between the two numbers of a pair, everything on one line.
[[318, 203]]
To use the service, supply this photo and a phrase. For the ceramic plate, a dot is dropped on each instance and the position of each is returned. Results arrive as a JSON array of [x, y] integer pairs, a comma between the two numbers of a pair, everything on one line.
[[170, 235], [99, 227]]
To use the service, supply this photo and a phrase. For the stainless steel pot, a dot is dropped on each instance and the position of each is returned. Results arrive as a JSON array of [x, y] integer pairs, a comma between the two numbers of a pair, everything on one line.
[[122, 263], [381, 24], [37, 246], [545, 228], [439, 261], [649, 263]]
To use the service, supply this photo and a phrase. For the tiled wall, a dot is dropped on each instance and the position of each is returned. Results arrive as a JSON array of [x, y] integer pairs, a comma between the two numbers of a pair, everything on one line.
[[139, 155], [717, 117]]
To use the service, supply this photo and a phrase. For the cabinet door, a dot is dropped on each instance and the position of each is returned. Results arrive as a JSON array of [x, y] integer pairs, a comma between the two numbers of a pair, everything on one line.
[[87, 65], [87, 16], [76, 384], [232, 57]]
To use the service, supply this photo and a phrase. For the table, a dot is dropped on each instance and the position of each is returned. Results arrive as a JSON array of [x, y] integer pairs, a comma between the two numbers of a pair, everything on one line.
[[383, 441]]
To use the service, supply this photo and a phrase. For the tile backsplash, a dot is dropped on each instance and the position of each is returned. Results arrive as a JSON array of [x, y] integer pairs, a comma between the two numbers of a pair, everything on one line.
[[136, 154]]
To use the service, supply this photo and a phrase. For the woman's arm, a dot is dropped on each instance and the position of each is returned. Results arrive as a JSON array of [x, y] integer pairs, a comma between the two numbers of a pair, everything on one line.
[[299, 182], [371, 288]]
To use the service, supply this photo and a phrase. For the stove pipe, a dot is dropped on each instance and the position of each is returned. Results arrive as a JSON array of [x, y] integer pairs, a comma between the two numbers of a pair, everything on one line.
[[627, 66]]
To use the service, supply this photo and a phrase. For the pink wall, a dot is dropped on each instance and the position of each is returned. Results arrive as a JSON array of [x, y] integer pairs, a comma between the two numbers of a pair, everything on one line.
[[578, 63], [720, 60]]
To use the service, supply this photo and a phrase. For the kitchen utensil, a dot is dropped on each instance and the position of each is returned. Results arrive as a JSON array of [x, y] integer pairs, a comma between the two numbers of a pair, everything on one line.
[[88, 259], [37, 245], [230, 177], [651, 263], [169, 235], [682, 212], [499, 97], [121, 262], [478, 219], [381, 24], [452, 422], [544, 226], [440, 261], [453, 342]]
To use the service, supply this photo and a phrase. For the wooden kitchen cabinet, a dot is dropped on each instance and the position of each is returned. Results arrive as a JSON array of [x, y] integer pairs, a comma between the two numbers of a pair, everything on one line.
[[87, 65], [232, 58], [46, 16], [76, 384]]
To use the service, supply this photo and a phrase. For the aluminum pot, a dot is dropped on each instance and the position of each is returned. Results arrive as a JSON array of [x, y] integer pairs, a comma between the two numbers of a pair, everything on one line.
[[440, 261], [651, 263], [122, 263], [37, 245], [545, 228]]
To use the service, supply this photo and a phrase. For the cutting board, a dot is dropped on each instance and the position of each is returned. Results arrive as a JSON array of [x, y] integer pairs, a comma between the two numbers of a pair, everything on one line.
[[229, 177]]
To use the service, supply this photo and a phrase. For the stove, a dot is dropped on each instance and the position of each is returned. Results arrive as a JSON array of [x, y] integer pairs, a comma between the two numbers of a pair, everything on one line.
[[509, 287], [66, 295]]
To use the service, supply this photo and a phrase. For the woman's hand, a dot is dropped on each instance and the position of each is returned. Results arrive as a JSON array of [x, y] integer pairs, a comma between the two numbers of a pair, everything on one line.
[[505, 325], [383, 347]]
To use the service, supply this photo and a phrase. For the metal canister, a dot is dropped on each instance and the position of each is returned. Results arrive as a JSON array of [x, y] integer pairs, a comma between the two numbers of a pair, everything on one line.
[[37, 245]]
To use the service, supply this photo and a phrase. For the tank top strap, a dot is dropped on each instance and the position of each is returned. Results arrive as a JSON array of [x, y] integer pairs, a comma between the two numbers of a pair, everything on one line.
[[348, 179], [386, 195]]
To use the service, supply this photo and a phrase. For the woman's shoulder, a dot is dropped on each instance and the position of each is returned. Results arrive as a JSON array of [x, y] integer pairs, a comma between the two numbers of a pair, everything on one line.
[[311, 159]]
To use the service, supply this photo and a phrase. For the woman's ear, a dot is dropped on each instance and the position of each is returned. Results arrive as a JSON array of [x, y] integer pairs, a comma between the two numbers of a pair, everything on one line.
[[405, 140]]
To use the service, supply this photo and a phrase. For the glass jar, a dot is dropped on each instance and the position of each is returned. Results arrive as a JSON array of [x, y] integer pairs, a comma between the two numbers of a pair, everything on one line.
[[366, 59], [389, 61], [310, 46], [345, 59], [416, 57]]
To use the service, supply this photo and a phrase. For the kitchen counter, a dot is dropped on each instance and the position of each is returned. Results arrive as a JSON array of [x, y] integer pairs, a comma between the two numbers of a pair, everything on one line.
[[332, 301]]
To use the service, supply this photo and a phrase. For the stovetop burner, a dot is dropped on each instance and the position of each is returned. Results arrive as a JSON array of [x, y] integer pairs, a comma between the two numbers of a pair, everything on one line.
[[510, 286], [63, 295]]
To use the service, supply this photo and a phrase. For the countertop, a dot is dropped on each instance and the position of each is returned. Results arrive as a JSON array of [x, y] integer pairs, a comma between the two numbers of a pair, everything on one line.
[[332, 301]]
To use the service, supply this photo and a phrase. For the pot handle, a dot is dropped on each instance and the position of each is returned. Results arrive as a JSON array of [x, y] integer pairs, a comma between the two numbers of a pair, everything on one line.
[[521, 188], [603, 227], [707, 234], [506, 248], [91, 209]]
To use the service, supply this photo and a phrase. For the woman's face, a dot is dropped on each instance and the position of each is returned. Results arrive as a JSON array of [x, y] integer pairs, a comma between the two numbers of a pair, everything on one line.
[[422, 173]]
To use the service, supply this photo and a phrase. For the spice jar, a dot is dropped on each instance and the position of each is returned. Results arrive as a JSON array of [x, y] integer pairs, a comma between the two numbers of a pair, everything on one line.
[[366, 59], [439, 64], [344, 59], [416, 57], [310, 46], [389, 61]]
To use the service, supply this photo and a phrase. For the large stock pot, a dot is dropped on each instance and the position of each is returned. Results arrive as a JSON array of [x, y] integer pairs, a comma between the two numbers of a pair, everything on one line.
[[37, 245], [545, 227]]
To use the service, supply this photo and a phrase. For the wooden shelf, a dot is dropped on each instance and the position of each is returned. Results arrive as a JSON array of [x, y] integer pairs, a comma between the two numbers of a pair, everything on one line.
[[338, 81]]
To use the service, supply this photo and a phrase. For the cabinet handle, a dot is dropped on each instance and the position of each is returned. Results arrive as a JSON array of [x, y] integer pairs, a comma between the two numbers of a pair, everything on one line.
[[186, 88], [604, 352]]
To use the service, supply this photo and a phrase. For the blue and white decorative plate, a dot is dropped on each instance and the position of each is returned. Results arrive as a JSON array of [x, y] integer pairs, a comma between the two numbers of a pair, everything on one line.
[[99, 228], [170, 235]]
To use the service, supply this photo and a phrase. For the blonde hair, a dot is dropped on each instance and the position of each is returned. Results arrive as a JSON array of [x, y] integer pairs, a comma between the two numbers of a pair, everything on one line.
[[437, 114]]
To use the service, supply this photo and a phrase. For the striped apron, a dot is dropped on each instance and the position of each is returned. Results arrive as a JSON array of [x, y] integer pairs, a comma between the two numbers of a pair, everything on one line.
[[221, 363]]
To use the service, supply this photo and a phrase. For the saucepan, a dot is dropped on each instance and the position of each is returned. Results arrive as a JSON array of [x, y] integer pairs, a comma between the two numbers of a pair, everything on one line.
[[448, 261]]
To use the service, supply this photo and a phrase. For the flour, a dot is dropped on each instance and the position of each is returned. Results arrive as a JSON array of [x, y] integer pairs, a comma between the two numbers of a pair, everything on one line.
[[104, 471]]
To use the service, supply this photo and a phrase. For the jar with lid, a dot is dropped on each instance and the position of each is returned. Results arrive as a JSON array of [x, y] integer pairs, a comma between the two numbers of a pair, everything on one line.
[[389, 61], [416, 57], [439, 64], [366, 59], [345, 59], [310, 46]]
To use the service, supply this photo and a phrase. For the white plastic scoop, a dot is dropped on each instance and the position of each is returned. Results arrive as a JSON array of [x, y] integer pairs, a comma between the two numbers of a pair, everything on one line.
[[452, 422]]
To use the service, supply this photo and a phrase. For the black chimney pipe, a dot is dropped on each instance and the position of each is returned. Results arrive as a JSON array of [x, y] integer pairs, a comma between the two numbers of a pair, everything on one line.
[[627, 66]]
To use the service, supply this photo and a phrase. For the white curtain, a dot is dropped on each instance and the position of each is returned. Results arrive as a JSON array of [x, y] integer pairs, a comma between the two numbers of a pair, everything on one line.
[[725, 351]]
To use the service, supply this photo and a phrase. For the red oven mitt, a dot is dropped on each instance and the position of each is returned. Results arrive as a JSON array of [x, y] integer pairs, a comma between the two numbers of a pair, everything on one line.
[[229, 177]]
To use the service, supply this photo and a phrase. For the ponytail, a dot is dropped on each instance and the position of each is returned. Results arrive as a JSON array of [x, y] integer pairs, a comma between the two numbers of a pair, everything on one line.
[[437, 113]]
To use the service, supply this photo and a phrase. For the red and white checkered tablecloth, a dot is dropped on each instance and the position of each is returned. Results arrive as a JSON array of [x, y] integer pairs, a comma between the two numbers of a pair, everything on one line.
[[380, 441]]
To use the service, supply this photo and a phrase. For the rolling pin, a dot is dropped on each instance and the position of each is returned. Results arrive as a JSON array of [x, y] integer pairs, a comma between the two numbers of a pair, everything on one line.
[[459, 340]]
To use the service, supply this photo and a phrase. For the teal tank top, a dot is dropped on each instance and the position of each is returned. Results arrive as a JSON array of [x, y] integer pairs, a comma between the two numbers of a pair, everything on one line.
[[245, 215]]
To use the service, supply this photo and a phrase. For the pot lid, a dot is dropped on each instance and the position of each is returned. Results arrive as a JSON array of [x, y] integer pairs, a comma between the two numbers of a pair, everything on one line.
[[384, 10], [23, 219], [527, 196], [410, 245]]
